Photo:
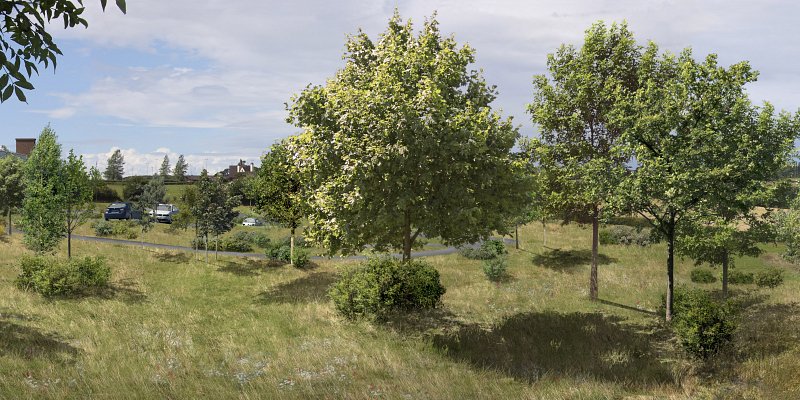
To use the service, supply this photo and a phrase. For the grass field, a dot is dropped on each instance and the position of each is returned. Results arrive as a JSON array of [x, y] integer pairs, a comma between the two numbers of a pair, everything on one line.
[[172, 327]]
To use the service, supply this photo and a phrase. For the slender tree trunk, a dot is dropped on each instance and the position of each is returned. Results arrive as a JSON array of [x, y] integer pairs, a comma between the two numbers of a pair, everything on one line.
[[9, 221], [206, 238], [216, 248], [544, 233], [291, 247], [516, 236], [69, 244], [595, 244], [725, 274], [407, 237], [670, 268]]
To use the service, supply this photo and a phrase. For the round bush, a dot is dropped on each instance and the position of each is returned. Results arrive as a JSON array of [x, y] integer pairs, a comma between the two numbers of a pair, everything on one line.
[[495, 268], [103, 228], [301, 259], [703, 325], [626, 235], [702, 275], [488, 250], [770, 278], [385, 284]]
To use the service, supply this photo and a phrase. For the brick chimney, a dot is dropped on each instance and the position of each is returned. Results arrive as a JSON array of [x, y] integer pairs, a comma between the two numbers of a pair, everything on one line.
[[25, 146]]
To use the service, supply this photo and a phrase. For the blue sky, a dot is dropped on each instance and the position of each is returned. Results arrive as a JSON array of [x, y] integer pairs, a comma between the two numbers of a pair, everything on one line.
[[210, 79]]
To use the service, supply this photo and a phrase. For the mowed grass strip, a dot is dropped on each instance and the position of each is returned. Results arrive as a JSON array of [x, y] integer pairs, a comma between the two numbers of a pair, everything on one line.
[[171, 326]]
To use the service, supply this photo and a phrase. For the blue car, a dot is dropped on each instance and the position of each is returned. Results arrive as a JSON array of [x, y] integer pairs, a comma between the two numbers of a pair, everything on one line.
[[121, 211]]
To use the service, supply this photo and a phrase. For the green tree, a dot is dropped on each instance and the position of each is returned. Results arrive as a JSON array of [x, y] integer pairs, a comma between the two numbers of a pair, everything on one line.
[[787, 227], [25, 42], [42, 215], [96, 182], [11, 186], [179, 172], [696, 139], [214, 208], [115, 167], [164, 170], [279, 192], [153, 194], [76, 193], [401, 142], [576, 111]]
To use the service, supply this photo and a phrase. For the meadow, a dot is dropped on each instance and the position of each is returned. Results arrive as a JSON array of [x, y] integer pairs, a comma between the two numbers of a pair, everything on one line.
[[173, 327]]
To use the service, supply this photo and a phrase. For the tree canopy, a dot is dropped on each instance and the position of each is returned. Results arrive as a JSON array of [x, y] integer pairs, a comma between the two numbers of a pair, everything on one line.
[[11, 186], [25, 42], [402, 142], [115, 167], [42, 214]]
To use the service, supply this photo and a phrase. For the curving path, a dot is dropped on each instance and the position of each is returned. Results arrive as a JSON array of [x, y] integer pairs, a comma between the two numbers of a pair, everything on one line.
[[124, 242]]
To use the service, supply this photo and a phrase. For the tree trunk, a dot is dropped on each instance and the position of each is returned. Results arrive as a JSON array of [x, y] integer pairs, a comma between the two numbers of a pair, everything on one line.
[[216, 248], [9, 221], [670, 268], [206, 245], [725, 274], [291, 248], [516, 236], [544, 233], [407, 237], [595, 244], [69, 244]]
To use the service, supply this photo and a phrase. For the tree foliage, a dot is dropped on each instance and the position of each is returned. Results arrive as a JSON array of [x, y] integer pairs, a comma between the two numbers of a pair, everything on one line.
[[402, 141], [179, 172], [42, 217], [164, 170], [11, 186], [115, 167], [697, 141], [213, 208], [77, 195], [279, 192], [577, 109], [25, 42], [153, 193]]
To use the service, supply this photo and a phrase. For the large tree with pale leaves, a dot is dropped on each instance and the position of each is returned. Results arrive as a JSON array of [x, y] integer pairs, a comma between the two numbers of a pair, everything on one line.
[[403, 142]]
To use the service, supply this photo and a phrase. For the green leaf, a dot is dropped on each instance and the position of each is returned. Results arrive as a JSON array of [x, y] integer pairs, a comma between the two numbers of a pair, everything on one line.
[[3, 81], [24, 85], [20, 95], [122, 7], [7, 93], [103, 4]]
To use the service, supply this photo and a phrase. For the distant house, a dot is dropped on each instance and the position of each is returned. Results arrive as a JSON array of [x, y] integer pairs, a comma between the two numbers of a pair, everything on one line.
[[23, 150], [242, 168]]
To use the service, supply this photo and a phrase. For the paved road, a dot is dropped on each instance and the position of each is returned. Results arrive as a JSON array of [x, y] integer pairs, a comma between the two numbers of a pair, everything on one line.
[[123, 242]]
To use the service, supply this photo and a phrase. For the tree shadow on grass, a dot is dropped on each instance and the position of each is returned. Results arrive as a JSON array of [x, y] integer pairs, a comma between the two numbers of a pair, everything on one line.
[[248, 267], [4, 238], [531, 345], [568, 260], [29, 343], [177, 258], [312, 288], [125, 290]]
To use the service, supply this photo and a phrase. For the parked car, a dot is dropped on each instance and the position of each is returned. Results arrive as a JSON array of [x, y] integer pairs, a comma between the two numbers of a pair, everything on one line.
[[252, 222], [121, 211], [164, 212]]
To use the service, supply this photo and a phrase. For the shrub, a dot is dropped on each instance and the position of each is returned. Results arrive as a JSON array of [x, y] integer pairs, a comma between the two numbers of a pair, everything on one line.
[[279, 252], [621, 234], [495, 268], [703, 325], [488, 250], [385, 284], [770, 278], [103, 228], [702, 275], [54, 277], [254, 238], [740, 278], [301, 259], [236, 243]]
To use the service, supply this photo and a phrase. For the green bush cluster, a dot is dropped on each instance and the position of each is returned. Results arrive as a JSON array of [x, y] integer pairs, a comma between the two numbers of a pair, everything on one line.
[[385, 284], [702, 275], [54, 277], [281, 251], [119, 229], [703, 325], [235, 243], [488, 250], [495, 268], [621, 234], [740, 278], [769, 278]]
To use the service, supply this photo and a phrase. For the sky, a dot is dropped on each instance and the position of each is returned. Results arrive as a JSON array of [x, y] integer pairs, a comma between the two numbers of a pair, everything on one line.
[[210, 79]]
